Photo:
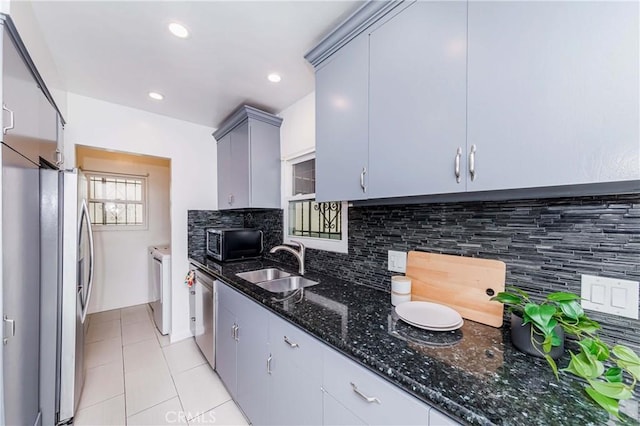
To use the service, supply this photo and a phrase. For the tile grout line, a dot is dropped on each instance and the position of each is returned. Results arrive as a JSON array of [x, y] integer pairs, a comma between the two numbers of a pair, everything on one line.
[[167, 365], [170, 372], [124, 377]]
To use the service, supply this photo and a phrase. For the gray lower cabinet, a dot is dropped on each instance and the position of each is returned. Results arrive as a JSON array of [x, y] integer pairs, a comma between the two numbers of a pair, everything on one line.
[[226, 362], [296, 375], [249, 160], [342, 120], [553, 93], [280, 375], [241, 351], [417, 99]]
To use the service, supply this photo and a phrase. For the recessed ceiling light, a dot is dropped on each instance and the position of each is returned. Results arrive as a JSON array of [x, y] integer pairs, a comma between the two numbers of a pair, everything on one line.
[[155, 95], [274, 78], [178, 30]]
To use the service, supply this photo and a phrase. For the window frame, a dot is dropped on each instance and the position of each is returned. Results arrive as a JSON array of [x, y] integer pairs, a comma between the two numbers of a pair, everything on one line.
[[338, 246], [119, 227]]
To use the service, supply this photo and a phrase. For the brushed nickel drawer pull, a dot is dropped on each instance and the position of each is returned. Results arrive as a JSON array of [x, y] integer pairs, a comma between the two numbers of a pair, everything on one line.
[[290, 343], [369, 399]]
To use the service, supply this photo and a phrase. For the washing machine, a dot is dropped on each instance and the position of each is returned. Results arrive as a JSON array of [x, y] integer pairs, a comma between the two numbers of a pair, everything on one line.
[[160, 283]]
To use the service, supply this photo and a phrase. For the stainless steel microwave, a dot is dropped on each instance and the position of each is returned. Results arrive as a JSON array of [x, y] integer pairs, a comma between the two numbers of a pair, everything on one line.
[[234, 244]]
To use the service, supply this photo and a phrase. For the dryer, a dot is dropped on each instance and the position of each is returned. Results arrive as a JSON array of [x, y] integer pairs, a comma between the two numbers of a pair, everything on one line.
[[160, 282]]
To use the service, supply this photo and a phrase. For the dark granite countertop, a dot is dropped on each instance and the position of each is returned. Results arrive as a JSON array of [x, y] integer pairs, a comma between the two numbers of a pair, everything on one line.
[[474, 374]]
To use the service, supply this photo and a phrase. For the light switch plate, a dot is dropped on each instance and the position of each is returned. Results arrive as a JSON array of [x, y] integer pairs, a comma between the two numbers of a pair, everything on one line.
[[610, 295], [397, 261]]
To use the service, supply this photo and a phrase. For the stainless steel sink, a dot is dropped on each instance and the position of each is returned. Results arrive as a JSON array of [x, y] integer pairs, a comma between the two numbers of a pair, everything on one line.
[[282, 285], [262, 275]]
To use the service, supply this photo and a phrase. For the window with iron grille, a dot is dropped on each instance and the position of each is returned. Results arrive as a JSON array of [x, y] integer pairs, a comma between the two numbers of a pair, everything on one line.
[[117, 201], [317, 225]]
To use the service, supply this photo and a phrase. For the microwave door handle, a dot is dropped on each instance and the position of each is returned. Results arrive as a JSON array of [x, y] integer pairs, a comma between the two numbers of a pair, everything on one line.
[[261, 242], [85, 216]]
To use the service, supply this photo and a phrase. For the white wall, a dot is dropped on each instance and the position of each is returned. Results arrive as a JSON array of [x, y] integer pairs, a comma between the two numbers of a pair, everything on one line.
[[192, 151], [25, 21], [121, 273], [298, 130]]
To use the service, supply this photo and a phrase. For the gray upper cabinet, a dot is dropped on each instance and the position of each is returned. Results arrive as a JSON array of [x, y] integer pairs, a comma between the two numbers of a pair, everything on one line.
[[469, 99], [29, 116], [553, 93], [342, 108], [417, 98], [249, 160], [225, 171]]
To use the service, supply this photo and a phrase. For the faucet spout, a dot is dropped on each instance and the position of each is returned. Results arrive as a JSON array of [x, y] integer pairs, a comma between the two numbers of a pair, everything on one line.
[[299, 253]]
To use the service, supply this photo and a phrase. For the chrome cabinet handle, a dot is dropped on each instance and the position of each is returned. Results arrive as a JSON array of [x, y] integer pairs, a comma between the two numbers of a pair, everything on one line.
[[59, 158], [11, 120], [230, 199], [457, 164], [472, 162], [234, 332], [269, 364], [290, 343], [369, 399], [362, 185], [12, 330]]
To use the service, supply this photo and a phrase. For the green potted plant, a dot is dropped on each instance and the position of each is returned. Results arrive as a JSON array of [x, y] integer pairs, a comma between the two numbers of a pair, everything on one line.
[[603, 367]]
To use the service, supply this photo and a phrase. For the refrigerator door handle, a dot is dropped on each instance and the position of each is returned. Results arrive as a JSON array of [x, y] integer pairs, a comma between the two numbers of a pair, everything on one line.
[[85, 216]]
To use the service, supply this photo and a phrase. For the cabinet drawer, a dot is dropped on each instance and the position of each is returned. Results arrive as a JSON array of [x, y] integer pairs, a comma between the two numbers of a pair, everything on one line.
[[335, 414], [351, 385], [436, 418], [295, 347]]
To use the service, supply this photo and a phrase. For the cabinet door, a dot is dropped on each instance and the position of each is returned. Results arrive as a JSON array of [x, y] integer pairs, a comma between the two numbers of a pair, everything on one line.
[[553, 93], [418, 101], [296, 375], [226, 346], [34, 119], [240, 166], [225, 168], [342, 87], [335, 414], [265, 164], [252, 356]]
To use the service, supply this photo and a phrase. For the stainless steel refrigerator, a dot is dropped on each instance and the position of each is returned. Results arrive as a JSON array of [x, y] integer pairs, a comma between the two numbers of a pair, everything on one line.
[[66, 284]]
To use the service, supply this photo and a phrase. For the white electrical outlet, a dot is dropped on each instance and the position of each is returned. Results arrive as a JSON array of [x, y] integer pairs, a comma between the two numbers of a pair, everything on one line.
[[610, 295], [397, 261]]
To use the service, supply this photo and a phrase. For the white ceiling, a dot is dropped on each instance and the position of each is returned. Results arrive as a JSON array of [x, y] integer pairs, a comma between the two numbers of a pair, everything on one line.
[[119, 51]]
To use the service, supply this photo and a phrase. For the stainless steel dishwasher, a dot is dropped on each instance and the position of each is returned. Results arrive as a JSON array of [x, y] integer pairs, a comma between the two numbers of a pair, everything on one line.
[[202, 306]]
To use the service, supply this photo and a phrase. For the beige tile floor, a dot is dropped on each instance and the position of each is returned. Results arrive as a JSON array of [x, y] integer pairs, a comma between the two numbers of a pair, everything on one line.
[[135, 377]]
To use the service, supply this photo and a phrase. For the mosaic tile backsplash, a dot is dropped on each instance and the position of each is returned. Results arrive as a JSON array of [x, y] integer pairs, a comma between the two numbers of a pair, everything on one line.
[[546, 243]]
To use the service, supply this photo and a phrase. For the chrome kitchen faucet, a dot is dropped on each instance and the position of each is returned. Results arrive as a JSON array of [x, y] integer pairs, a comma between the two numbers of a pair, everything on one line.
[[299, 254]]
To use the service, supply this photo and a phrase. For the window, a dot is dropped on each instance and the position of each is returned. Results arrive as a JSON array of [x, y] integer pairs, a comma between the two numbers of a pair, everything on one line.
[[317, 225], [117, 202]]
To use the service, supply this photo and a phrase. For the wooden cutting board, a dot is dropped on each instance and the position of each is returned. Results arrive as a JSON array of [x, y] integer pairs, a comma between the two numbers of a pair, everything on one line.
[[463, 283]]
